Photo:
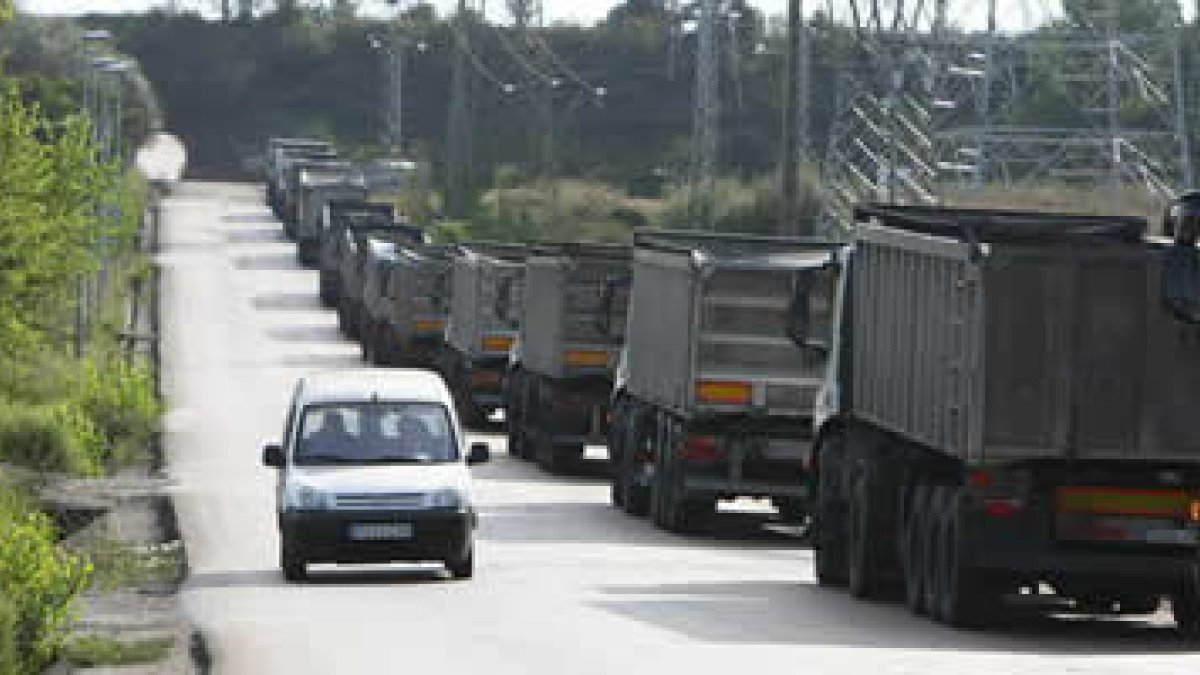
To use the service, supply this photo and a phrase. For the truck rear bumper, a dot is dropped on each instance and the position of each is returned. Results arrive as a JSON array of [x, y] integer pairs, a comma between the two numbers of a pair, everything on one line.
[[1142, 568], [719, 487]]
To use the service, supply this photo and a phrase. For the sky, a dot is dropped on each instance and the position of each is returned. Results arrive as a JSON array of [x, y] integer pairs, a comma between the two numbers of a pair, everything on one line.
[[582, 11], [1019, 14]]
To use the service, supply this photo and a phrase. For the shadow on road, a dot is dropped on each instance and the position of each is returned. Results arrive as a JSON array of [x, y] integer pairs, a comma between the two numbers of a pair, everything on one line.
[[273, 262], [319, 576], [272, 235], [756, 612], [287, 302], [307, 334], [349, 360], [600, 523]]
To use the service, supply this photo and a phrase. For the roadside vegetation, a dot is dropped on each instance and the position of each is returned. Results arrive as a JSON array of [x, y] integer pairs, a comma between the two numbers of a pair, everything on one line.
[[74, 402]]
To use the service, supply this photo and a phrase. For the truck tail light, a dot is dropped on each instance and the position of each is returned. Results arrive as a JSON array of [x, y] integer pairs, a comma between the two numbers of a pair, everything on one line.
[[724, 392], [485, 378], [979, 478], [497, 343], [1126, 502], [699, 449], [429, 326], [586, 358], [1003, 507]]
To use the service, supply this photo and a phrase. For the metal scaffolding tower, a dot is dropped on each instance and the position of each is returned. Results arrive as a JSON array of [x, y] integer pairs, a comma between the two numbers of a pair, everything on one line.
[[459, 165], [939, 101]]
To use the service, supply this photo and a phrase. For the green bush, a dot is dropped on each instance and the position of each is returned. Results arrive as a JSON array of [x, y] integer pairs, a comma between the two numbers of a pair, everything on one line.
[[119, 398], [10, 661], [56, 437], [38, 586]]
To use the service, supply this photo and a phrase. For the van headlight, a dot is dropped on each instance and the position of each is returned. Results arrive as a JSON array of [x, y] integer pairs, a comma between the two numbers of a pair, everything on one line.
[[448, 499], [308, 498]]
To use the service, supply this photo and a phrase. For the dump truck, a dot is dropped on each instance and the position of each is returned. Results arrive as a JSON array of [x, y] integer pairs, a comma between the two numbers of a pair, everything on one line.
[[276, 147], [318, 184], [358, 252], [571, 324], [388, 176], [338, 216], [486, 282], [405, 310], [713, 398], [1009, 408], [279, 169], [291, 194]]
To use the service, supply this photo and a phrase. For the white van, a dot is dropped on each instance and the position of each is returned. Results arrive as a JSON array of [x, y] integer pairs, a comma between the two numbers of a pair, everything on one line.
[[373, 469]]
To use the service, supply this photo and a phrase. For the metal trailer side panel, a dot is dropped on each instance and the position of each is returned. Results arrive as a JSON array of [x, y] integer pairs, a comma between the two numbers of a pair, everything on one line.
[[658, 337], [917, 321], [462, 327], [1067, 352], [417, 291], [542, 316], [742, 336]]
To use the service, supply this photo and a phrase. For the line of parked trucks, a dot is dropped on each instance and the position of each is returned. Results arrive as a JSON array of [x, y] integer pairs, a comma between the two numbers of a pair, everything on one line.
[[963, 405]]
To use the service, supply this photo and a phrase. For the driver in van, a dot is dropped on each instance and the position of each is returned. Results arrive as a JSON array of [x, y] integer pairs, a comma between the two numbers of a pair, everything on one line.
[[332, 437]]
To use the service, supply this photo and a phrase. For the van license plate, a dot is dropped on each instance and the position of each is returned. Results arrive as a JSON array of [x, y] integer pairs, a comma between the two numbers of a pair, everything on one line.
[[380, 531]]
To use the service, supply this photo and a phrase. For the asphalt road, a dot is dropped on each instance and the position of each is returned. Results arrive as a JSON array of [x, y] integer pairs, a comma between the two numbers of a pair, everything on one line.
[[565, 584]]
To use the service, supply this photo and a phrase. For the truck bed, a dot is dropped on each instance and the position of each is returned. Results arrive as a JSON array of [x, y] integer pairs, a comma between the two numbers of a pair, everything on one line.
[[994, 337]]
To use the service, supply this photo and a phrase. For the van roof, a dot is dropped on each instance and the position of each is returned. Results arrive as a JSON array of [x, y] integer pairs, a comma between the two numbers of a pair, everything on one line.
[[420, 386]]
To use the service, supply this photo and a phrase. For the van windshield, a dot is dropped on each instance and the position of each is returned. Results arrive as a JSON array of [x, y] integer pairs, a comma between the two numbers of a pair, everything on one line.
[[375, 432]]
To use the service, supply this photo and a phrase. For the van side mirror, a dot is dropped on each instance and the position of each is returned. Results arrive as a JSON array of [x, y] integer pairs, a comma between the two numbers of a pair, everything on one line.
[[272, 456], [480, 454]]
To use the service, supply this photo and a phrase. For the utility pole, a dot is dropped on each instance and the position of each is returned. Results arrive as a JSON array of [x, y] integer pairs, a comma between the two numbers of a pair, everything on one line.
[[1114, 104], [789, 171], [459, 160], [706, 117]]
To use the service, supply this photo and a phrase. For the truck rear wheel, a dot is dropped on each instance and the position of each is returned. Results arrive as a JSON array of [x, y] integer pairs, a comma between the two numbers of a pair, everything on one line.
[[829, 552], [913, 550], [863, 559], [672, 512], [962, 594], [554, 458], [1185, 605], [930, 538]]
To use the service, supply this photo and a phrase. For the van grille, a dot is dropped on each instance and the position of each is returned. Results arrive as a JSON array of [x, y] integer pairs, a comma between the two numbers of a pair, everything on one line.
[[402, 501]]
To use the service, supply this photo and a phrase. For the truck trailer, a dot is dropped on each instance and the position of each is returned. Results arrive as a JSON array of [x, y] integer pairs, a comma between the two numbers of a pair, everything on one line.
[[485, 284], [318, 184], [338, 216], [714, 399], [355, 262], [406, 313], [571, 325], [1008, 409]]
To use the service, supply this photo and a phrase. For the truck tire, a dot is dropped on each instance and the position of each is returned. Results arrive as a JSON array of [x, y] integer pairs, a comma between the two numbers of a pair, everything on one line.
[[865, 538], [670, 508], [365, 346], [930, 542], [616, 456], [325, 292], [556, 459], [913, 550], [962, 595], [1185, 606], [829, 551], [306, 253]]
